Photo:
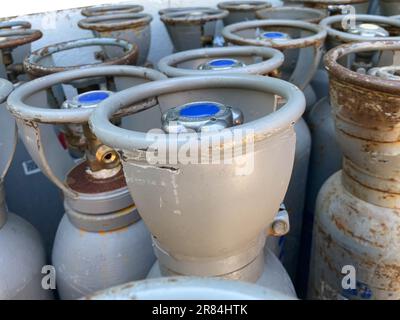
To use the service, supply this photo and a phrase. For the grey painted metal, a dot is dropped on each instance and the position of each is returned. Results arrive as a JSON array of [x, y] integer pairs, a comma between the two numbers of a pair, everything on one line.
[[132, 27], [292, 13], [334, 6], [389, 7], [21, 251], [357, 209], [40, 62], [88, 261], [274, 276], [188, 63], [107, 9], [337, 36], [189, 288], [193, 28], [242, 10], [32, 113], [99, 222], [300, 65], [187, 213], [181, 9]]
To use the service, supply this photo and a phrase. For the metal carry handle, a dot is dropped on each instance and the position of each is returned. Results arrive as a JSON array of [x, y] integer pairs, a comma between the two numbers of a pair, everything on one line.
[[124, 139], [343, 36], [29, 106], [310, 45], [273, 60], [18, 37], [33, 66]]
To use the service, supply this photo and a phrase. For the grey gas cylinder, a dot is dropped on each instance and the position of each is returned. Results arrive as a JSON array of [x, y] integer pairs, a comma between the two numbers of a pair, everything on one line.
[[22, 255], [192, 221], [101, 241]]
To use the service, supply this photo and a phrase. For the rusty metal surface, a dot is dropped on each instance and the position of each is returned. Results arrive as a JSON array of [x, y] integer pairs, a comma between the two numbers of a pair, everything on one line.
[[15, 25], [340, 73], [114, 22], [106, 9], [316, 39], [243, 5], [292, 13], [357, 211], [17, 37], [193, 16], [79, 180], [35, 69]]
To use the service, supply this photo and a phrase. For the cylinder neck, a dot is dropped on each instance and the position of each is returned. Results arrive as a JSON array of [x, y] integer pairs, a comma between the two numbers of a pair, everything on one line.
[[3, 206]]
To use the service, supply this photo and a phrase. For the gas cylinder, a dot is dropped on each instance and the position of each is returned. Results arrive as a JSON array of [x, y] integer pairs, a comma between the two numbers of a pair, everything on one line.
[[101, 241], [132, 27], [44, 208], [242, 10], [205, 204], [299, 66], [192, 28], [389, 7], [357, 221], [325, 153], [22, 255], [23, 176], [188, 288], [292, 13], [334, 6], [105, 9], [262, 61]]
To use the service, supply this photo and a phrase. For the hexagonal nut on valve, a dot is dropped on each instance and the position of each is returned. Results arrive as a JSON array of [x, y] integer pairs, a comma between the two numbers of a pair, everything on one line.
[[280, 226]]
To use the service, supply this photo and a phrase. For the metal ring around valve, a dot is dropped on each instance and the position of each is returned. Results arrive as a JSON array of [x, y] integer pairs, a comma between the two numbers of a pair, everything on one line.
[[193, 16], [32, 62], [244, 5], [293, 13], [18, 107], [115, 22], [15, 25], [120, 138], [347, 37], [41, 140], [17, 37], [273, 60], [101, 10], [345, 74], [316, 39]]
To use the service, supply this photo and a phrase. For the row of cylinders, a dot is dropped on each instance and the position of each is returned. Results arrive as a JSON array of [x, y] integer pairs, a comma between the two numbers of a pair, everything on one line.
[[137, 168]]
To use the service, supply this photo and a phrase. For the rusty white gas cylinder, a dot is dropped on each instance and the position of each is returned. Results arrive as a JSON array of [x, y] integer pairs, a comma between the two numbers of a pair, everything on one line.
[[105, 9], [334, 6], [194, 206], [101, 240], [262, 61], [357, 212], [242, 10], [16, 38], [132, 27], [326, 155], [189, 288], [22, 255], [192, 28], [389, 7], [291, 13]]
